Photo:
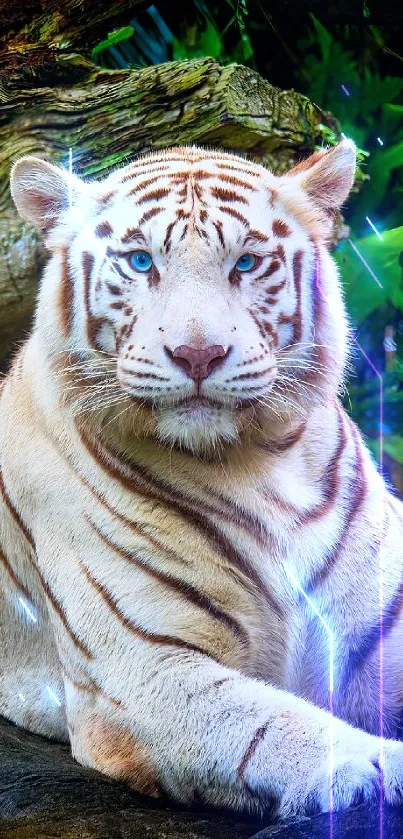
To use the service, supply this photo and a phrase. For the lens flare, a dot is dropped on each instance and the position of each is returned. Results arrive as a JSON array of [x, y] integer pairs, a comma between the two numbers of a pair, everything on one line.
[[364, 262], [28, 610], [53, 696], [371, 224]]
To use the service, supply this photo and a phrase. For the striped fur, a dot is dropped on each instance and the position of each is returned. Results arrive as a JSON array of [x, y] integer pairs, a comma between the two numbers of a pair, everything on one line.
[[149, 518]]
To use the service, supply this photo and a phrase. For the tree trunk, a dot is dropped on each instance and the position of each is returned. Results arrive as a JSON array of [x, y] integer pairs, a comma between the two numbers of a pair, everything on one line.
[[53, 99]]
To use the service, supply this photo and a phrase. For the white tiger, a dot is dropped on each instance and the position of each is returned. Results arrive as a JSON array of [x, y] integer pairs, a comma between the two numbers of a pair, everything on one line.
[[175, 469]]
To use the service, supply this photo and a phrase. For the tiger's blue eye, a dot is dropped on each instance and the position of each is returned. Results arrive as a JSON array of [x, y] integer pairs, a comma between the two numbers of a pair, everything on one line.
[[140, 261], [246, 262]]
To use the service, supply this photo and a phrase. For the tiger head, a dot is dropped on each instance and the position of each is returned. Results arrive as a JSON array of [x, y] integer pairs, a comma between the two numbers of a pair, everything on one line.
[[191, 295]]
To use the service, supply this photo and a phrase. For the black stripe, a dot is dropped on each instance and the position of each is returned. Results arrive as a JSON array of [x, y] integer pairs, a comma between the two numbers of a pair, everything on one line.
[[180, 586], [45, 586], [368, 645], [138, 479], [131, 626]]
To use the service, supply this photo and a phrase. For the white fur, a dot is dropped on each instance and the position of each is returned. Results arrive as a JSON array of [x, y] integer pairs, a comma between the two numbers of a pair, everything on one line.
[[157, 713]]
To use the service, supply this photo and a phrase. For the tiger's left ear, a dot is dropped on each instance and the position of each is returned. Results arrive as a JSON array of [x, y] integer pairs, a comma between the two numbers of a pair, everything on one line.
[[41, 192], [327, 176]]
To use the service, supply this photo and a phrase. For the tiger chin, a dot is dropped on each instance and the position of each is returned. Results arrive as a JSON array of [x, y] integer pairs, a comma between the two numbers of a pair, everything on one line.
[[188, 517], [197, 427]]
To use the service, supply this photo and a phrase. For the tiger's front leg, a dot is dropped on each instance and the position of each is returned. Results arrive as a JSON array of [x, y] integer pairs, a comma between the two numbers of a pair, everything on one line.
[[193, 729]]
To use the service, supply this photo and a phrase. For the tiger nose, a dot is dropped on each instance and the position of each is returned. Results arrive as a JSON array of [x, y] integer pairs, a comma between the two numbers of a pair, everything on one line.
[[198, 363]]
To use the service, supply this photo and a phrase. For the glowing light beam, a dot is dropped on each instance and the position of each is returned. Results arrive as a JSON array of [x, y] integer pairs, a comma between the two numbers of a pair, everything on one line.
[[381, 567], [380, 141], [381, 564], [22, 697], [364, 262], [371, 224], [345, 90], [291, 576], [27, 610], [53, 696]]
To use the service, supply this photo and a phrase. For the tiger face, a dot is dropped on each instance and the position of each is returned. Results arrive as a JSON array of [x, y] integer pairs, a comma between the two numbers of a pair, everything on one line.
[[197, 283]]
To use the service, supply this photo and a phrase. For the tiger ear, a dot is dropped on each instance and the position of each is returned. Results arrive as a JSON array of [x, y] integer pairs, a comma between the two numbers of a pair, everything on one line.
[[42, 192], [327, 176]]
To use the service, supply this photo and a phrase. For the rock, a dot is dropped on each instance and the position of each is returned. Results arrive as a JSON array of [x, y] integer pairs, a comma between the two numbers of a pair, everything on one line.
[[44, 794]]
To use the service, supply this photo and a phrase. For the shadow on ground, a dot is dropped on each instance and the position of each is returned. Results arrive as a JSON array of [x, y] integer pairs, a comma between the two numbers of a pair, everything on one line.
[[45, 795]]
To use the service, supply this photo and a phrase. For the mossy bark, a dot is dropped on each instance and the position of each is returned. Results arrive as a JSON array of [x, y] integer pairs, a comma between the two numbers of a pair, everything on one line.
[[41, 41], [50, 103]]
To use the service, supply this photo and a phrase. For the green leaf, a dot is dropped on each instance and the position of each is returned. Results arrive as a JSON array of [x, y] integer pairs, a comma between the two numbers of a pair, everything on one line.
[[210, 42], [382, 164], [179, 50], [394, 114], [392, 445], [363, 294], [115, 37], [206, 43], [324, 38]]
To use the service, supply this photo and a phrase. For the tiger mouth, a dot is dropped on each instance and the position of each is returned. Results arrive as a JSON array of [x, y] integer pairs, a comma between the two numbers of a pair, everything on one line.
[[199, 402], [194, 403]]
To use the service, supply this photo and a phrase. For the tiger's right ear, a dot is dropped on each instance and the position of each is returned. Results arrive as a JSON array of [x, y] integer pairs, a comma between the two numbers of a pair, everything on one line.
[[42, 192]]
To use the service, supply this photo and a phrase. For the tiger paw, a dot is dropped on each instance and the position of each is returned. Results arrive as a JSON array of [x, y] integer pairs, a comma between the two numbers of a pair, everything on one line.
[[393, 771], [354, 774]]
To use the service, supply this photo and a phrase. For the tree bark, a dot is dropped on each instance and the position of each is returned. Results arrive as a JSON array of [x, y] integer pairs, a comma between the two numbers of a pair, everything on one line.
[[107, 117], [41, 41]]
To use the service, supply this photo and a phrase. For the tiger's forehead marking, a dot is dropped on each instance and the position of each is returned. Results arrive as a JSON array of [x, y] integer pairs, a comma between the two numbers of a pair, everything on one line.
[[196, 190], [196, 166]]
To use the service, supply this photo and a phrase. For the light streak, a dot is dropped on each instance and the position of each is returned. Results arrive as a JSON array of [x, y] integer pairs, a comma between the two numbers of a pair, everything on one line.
[[360, 256], [330, 634], [53, 696], [345, 90], [22, 697], [380, 141], [371, 224], [28, 611], [381, 566]]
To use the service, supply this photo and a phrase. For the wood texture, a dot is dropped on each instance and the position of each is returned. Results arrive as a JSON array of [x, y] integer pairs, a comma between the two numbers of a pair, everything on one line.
[[41, 41]]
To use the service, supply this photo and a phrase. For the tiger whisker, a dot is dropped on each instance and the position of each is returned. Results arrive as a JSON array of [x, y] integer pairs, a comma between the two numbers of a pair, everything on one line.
[[114, 418]]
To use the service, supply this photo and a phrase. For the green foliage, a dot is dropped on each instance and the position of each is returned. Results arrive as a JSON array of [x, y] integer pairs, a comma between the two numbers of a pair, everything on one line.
[[199, 43], [392, 445], [363, 294], [368, 112], [383, 164], [204, 37], [365, 412], [152, 41]]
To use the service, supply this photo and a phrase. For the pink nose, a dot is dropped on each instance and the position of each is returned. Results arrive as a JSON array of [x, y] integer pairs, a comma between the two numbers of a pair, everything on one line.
[[198, 364]]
